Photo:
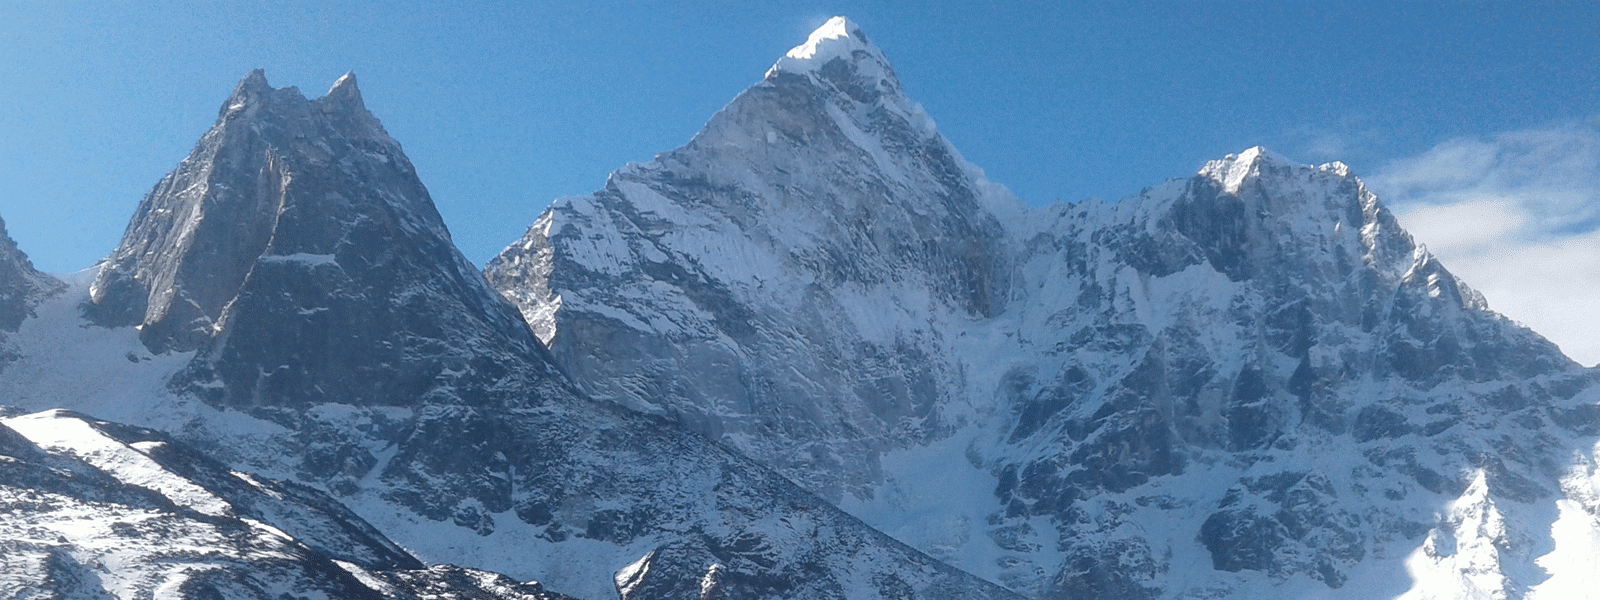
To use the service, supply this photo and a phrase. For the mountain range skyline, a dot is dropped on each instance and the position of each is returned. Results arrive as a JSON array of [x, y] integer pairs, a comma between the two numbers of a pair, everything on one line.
[[1477, 126]]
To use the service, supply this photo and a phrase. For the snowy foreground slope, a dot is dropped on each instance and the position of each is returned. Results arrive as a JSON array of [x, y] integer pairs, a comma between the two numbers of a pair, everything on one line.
[[287, 301], [90, 509], [1248, 383]]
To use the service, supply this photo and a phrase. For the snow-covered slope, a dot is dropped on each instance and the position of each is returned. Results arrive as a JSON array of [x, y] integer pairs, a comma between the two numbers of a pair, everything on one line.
[[93, 509], [1251, 382], [349, 346]]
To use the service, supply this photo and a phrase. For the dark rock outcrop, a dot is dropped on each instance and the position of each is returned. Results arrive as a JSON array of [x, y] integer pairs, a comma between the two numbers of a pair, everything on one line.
[[21, 289]]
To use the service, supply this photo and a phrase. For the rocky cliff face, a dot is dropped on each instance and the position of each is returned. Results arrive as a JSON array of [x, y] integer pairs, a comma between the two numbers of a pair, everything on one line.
[[1249, 382], [21, 288], [297, 251]]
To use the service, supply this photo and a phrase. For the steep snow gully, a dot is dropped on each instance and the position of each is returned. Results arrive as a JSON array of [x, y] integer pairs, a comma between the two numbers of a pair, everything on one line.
[[813, 353]]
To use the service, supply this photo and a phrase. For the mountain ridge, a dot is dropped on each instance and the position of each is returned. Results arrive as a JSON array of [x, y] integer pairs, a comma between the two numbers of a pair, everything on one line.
[[1191, 336]]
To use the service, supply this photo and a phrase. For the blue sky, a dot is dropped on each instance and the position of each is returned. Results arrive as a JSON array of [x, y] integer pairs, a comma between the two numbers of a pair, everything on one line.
[[505, 106]]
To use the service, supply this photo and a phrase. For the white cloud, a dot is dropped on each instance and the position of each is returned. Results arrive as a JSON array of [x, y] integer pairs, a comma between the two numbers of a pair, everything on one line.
[[1327, 145], [1468, 227], [1517, 216]]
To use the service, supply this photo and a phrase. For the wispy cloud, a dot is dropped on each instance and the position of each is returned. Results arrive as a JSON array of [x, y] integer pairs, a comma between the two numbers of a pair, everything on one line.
[[1517, 216], [1343, 138]]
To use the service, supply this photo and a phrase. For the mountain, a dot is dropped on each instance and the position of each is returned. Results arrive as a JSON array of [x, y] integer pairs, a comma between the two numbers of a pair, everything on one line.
[[778, 282], [1257, 370], [1248, 383], [96, 509], [297, 251], [288, 302], [813, 353]]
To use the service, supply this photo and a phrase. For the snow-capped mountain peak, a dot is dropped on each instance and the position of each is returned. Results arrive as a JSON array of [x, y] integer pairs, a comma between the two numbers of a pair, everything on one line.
[[838, 56], [834, 39], [844, 216], [1232, 170]]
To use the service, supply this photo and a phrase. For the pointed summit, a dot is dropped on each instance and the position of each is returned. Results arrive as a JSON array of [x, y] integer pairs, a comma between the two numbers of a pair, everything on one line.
[[250, 92], [837, 55], [345, 86], [256, 80], [345, 109], [344, 93]]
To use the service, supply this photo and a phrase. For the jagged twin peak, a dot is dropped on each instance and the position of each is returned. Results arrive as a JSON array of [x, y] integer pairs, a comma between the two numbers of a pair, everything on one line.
[[778, 273], [297, 250]]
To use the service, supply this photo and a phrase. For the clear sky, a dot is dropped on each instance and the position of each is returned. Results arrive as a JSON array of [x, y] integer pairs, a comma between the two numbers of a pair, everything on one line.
[[1476, 121]]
